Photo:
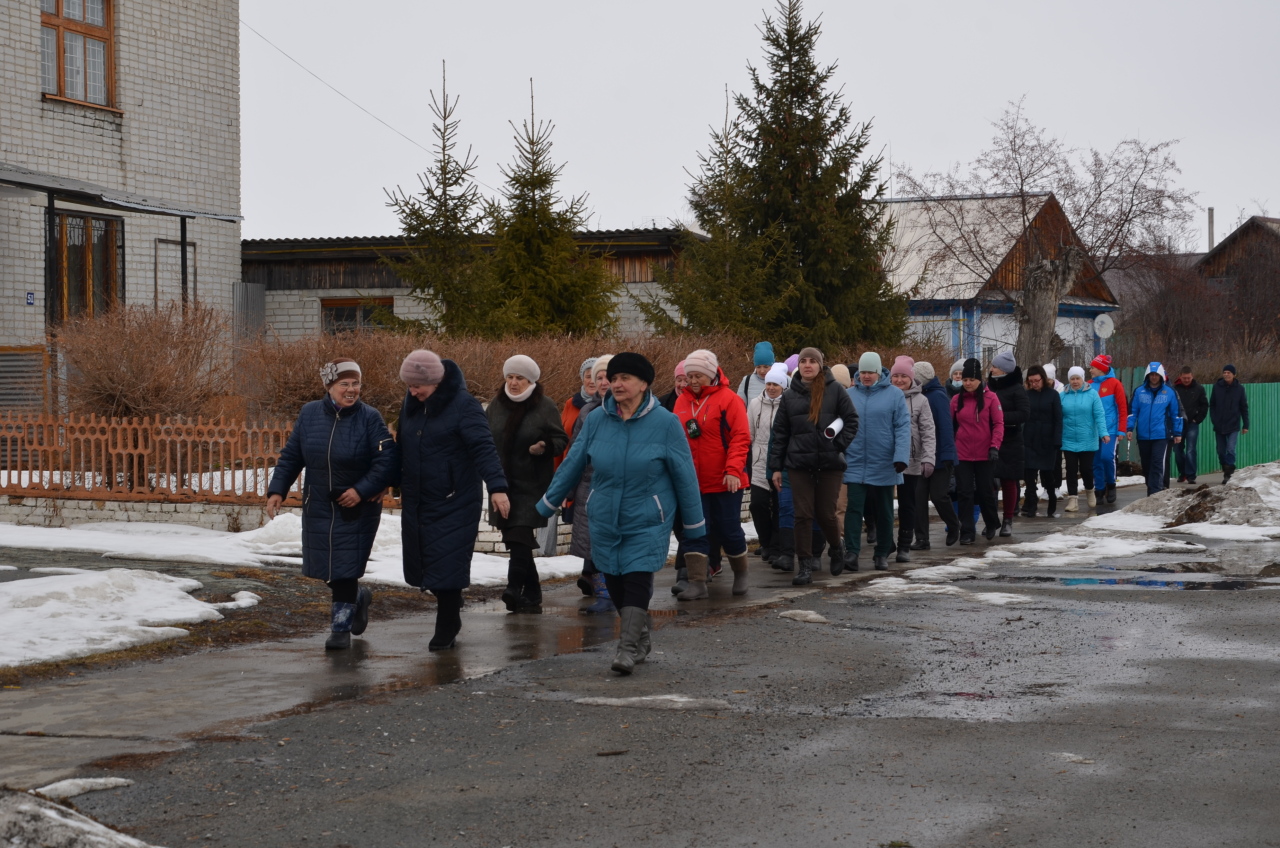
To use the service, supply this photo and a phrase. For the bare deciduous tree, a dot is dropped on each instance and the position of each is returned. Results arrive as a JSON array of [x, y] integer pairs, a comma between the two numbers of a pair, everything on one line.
[[1122, 204]]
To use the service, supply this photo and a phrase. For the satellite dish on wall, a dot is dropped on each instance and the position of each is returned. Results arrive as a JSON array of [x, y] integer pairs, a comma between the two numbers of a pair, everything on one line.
[[1104, 326]]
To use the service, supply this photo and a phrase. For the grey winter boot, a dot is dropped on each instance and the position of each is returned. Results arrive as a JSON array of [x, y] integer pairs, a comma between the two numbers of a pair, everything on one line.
[[682, 581], [696, 566], [633, 621], [644, 644], [360, 620], [739, 565], [340, 625]]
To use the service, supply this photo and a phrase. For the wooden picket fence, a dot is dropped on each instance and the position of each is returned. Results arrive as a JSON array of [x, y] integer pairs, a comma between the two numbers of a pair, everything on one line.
[[166, 460]]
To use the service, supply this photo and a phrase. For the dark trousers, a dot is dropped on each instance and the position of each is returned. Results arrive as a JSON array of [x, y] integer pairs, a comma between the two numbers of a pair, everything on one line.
[[522, 572], [974, 481], [764, 514], [723, 512], [345, 591], [814, 495], [1227, 448], [1009, 491], [876, 503], [448, 615], [1153, 453], [1049, 479], [633, 589], [1185, 451], [934, 489], [911, 483], [1079, 464]]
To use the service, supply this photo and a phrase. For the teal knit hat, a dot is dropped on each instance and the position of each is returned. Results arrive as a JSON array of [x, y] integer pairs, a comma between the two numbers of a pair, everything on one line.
[[763, 354]]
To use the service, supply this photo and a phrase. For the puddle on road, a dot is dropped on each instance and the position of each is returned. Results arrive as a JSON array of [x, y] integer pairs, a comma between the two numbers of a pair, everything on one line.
[[1143, 581]]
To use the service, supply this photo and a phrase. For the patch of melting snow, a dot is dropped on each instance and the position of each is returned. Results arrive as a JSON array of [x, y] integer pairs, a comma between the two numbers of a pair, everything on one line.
[[808, 616], [35, 821], [240, 600], [960, 569], [1074, 758], [658, 702], [65, 789], [1230, 532]]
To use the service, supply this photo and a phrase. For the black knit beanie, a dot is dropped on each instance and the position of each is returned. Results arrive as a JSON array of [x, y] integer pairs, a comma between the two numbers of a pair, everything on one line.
[[972, 369], [630, 363]]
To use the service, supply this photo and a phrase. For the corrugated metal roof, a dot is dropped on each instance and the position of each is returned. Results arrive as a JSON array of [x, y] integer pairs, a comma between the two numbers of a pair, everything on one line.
[[918, 262], [96, 195]]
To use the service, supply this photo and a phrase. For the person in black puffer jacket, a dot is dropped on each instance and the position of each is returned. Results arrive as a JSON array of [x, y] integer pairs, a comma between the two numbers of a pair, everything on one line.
[[526, 430], [445, 453], [814, 461], [1006, 382], [350, 459]]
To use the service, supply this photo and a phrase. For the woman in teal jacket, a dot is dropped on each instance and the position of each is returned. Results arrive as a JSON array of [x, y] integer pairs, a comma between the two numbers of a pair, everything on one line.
[[875, 459], [1084, 428], [642, 477]]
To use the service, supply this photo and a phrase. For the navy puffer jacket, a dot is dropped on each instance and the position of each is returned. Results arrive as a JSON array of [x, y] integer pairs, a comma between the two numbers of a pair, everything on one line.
[[340, 449], [445, 451]]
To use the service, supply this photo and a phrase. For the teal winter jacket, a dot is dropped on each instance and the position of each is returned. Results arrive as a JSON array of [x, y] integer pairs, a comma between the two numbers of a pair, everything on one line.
[[642, 474], [1084, 421], [884, 433]]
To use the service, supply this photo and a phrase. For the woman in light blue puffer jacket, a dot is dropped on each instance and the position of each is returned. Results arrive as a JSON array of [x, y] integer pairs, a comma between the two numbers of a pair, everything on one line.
[[1084, 428]]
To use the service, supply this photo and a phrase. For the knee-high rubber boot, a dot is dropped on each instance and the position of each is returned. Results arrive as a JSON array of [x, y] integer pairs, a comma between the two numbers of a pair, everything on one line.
[[739, 565], [603, 604], [340, 616], [633, 620], [784, 546], [448, 619], [696, 565]]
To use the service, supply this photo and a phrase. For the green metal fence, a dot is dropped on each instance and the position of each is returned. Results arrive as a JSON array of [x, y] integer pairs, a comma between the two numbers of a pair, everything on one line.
[[1261, 444]]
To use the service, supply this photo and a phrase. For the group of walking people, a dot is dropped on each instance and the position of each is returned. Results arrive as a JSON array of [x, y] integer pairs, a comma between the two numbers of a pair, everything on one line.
[[822, 450]]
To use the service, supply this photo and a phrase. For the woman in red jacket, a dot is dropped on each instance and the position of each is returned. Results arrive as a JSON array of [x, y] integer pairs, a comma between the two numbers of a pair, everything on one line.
[[715, 421], [979, 424]]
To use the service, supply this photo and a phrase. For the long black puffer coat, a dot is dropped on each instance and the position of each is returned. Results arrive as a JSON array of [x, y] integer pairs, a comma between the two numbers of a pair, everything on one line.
[[797, 444], [1017, 408], [340, 449], [528, 476], [445, 451], [1043, 433]]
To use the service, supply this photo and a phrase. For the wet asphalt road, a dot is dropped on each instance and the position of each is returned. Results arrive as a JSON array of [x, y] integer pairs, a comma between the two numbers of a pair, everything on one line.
[[1095, 715]]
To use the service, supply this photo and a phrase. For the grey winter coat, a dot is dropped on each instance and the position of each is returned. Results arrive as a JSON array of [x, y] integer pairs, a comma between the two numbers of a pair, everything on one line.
[[760, 415], [923, 433]]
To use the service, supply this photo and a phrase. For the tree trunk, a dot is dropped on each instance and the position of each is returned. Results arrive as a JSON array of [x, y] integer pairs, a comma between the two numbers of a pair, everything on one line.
[[1046, 284]]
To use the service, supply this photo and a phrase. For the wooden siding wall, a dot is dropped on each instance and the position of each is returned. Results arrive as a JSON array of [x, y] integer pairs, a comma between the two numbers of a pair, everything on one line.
[[1246, 246], [1050, 229], [638, 269], [318, 274]]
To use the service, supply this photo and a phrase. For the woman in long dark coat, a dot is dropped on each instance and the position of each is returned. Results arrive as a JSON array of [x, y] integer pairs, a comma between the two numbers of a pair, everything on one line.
[[1006, 382], [350, 459], [445, 453], [526, 430], [1043, 439]]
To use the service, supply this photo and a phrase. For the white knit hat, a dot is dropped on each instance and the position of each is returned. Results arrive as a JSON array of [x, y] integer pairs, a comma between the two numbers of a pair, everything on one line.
[[523, 366], [1076, 371], [777, 375]]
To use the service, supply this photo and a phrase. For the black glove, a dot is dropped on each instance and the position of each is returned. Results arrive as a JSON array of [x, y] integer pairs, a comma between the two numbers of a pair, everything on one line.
[[993, 454], [899, 467]]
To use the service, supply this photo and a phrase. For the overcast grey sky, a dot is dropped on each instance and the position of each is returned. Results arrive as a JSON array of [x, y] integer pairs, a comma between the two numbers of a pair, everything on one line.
[[633, 88]]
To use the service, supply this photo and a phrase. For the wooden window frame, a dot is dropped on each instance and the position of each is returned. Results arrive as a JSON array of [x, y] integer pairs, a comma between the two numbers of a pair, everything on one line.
[[342, 302], [104, 33], [58, 301]]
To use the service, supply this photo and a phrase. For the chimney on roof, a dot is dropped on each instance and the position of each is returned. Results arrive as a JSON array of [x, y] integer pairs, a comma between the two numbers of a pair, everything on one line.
[[1211, 228]]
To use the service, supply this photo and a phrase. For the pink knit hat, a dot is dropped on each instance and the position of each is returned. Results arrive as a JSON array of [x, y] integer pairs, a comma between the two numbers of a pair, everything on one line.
[[680, 368], [422, 368], [702, 361], [904, 365]]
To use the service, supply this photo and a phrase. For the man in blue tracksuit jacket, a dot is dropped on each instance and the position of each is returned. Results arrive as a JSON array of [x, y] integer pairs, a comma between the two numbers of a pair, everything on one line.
[[1156, 417]]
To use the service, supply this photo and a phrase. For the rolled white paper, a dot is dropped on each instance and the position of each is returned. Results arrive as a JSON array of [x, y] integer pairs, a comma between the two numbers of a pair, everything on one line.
[[835, 428]]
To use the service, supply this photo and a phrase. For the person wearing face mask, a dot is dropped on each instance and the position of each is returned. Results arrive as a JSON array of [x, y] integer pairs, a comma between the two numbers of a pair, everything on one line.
[[1006, 382], [350, 459], [955, 385], [764, 498], [923, 451], [668, 400], [446, 458], [715, 422], [978, 422], [526, 430]]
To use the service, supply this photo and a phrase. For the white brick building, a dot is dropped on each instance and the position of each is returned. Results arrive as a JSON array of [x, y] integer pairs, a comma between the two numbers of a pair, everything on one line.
[[119, 120]]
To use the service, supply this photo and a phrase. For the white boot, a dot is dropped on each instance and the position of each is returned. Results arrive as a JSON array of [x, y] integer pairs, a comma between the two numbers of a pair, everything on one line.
[[1073, 504], [1092, 498]]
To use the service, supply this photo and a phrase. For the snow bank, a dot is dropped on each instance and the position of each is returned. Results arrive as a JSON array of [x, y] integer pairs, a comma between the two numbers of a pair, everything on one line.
[[888, 588], [64, 789], [28, 820], [78, 613]]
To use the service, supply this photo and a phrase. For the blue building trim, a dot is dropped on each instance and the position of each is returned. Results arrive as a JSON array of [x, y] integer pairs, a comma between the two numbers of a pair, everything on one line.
[[965, 317]]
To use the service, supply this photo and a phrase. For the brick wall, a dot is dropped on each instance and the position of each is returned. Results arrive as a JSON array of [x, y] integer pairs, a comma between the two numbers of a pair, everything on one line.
[[177, 73], [295, 313]]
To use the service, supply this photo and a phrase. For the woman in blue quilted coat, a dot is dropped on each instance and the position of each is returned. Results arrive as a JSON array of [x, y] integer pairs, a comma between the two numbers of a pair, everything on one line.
[[350, 460]]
